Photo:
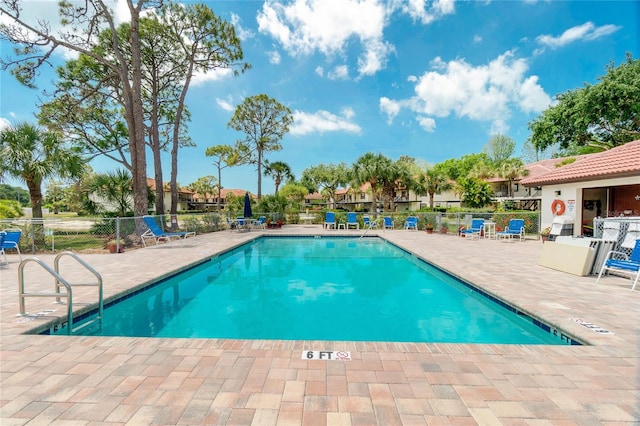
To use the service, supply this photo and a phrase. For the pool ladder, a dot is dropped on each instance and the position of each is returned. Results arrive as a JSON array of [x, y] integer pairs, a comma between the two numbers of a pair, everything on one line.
[[60, 281]]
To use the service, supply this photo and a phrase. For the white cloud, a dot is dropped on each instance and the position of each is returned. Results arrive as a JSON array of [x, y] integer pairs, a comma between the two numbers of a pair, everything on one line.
[[274, 57], [4, 123], [242, 33], [213, 75], [324, 121], [427, 123], [477, 38], [319, 70], [418, 10], [341, 72], [225, 104], [587, 31], [304, 27], [482, 93], [390, 107]]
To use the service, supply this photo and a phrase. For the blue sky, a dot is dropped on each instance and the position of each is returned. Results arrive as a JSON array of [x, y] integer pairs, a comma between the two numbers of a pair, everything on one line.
[[429, 79]]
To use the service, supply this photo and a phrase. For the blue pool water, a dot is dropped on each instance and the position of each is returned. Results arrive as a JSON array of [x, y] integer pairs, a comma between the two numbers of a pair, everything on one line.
[[319, 289]]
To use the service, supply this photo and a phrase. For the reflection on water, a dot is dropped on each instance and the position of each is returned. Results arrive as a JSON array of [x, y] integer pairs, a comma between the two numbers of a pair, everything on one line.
[[318, 289]]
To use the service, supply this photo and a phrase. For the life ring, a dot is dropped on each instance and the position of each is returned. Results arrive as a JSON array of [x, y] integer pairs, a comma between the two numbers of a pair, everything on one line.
[[557, 207]]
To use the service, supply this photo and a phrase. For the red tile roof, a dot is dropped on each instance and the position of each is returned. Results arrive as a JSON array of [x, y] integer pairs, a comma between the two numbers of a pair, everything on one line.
[[621, 161]]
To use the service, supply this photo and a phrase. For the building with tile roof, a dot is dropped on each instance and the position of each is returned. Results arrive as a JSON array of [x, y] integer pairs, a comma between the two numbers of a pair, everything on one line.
[[604, 184]]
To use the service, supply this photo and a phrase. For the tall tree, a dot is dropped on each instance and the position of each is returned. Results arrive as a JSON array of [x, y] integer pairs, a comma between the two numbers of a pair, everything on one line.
[[206, 43], [499, 148], [397, 175], [600, 116], [432, 181], [279, 171], [32, 155], [35, 43], [511, 170], [326, 178], [204, 185], [372, 169], [224, 156], [264, 121]]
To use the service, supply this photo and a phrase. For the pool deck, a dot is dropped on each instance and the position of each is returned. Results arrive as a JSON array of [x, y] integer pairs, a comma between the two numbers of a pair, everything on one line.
[[141, 381]]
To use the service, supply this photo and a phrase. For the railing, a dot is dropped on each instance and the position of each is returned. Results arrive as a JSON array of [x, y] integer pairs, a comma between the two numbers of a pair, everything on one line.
[[60, 281]]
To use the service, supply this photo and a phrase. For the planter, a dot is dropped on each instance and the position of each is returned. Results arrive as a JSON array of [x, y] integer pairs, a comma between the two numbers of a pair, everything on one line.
[[443, 230], [544, 238], [429, 231]]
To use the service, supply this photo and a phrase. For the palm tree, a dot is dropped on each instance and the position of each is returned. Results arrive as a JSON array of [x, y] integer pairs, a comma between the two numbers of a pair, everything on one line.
[[279, 170], [432, 181], [31, 154], [512, 169], [397, 174], [116, 188], [372, 168]]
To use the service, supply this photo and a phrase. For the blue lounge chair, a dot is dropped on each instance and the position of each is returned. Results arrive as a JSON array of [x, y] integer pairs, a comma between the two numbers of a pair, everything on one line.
[[515, 229], [330, 220], [260, 223], [158, 234], [232, 225], [370, 224], [619, 261], [477, 227], [352, 220], [388, 223], [11, 241], [411, 223], [2, 235]]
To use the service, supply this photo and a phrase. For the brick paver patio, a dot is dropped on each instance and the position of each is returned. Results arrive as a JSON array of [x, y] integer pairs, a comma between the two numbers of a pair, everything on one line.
[[141, 381]]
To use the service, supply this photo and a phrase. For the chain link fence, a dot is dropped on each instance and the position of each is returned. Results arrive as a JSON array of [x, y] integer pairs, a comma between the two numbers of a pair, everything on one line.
[[94, 235]]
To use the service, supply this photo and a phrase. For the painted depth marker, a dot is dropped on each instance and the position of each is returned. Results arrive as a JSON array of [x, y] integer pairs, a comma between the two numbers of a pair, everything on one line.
[[326, 355], [593, 327]]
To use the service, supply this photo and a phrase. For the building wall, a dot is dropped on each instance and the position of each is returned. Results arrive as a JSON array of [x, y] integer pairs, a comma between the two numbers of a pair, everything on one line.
[[571, 194]]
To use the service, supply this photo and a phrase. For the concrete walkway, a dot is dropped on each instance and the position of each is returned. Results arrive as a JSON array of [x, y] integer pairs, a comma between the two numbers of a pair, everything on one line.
[[140, 381]]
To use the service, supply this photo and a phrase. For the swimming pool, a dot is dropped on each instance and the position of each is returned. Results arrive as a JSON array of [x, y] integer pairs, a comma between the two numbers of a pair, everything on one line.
[[329, 288]]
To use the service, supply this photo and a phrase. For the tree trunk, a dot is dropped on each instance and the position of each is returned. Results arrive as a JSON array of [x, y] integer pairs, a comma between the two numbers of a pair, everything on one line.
[[135, 116], [259, 175], [35, 193], [219, 188]]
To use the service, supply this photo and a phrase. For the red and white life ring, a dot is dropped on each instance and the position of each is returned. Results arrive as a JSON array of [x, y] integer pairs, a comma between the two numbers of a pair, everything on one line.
[[558, 207]]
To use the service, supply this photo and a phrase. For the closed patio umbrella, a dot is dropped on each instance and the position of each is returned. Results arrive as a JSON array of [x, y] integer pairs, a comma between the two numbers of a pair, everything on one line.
[[247, 206]]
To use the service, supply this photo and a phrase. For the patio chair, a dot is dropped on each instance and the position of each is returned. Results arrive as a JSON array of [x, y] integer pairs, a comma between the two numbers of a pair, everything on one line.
[[633, 233], [476, 229], [11, 241], [260, 223], [369, 223], [411, 223], [2, 235], [158, 234], [515, 229], [231, 225], [618, 261], [330, 220], [388, 223], [352, 220]]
